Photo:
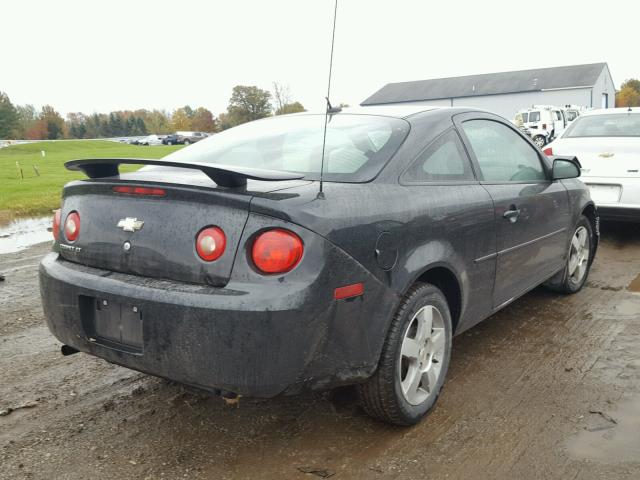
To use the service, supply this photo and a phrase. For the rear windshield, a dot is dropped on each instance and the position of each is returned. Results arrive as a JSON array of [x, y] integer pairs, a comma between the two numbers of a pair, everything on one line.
[[357, 146], [534, 116], [605, 125]]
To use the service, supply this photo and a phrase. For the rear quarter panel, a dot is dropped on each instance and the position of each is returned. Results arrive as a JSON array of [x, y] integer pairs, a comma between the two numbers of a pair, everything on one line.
[[398, 232]]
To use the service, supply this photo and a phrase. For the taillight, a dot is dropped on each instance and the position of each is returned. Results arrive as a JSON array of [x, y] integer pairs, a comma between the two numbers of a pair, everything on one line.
[[72, 226], [544, 126], [277, 251], [56, 224], [548, 151], [210, 243], [157, 192]]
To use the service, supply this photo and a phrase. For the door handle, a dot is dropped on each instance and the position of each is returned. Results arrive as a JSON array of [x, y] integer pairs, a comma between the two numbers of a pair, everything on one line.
[[512, 214]]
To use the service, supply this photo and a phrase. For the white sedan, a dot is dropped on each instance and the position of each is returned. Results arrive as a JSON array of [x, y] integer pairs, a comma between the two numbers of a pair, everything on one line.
[[150, 140], [607, 144]]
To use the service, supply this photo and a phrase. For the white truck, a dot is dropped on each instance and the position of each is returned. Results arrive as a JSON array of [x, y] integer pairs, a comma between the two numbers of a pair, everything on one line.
[[544, 122]]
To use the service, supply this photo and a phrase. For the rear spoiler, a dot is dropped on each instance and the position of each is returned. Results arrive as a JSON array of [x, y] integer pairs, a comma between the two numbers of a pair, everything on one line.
[[223, 175]]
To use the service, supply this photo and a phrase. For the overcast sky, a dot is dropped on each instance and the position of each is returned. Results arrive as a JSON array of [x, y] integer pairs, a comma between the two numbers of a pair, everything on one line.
[[97, 55]]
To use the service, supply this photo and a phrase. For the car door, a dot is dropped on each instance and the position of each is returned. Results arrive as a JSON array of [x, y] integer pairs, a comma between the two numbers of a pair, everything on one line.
[[451, 212], [531, 211], [534, 121], [558, 122]]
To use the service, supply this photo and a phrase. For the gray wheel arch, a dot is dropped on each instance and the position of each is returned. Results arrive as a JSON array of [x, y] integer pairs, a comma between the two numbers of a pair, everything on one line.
[[444, 276]]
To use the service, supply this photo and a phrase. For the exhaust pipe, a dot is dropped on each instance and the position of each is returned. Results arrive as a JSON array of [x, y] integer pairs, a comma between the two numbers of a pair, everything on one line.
[[230, 398], [66, 350]]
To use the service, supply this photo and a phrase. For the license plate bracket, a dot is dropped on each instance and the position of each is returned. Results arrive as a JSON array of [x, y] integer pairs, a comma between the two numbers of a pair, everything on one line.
[[112, 324]]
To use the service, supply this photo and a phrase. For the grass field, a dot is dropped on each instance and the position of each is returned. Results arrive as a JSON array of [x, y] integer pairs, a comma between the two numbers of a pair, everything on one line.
[[33, 194]]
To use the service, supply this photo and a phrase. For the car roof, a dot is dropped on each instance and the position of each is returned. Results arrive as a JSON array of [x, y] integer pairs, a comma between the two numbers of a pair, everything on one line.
[[399, 111], [395, 111], [609, 111]]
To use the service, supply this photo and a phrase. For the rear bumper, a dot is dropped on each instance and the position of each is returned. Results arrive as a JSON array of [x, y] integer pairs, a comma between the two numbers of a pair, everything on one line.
[[242, 338], [621, 213]]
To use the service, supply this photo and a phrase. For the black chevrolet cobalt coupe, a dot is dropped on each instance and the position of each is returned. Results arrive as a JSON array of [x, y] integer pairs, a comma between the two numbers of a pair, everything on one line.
[[224, 266]]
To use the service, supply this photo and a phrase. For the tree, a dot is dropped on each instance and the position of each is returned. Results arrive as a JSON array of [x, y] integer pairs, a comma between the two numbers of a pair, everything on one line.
[[629, 94], [140, 128], [93, 126], [188, 111], [8, 117], [224, 121], [628, 97], [37, 131], [281, 95], [181, 120], [129, 126], [156, 121], [53, 121], [27, 117], [294, 107], [76, 124], [116, 125], [633, 83], [203, 120], [248, 103]]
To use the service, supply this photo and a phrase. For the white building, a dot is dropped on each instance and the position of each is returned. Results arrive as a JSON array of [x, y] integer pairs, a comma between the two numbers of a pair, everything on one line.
[[507, 92]]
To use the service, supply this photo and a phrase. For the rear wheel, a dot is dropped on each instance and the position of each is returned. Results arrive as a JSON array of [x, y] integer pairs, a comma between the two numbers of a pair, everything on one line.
[[539, 140], [187, 142], [414, 360], [573, 276]]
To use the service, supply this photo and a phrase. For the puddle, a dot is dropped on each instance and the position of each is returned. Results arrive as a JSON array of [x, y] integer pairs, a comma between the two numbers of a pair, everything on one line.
[[22, 233], [634, 286], [612, 437], [628, 306]]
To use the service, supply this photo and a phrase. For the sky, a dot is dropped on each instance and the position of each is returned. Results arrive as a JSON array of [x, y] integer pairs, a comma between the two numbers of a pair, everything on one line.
[[99, 56]]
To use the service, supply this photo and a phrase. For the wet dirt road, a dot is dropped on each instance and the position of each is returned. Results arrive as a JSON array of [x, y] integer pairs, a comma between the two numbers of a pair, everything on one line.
[[547, 388]]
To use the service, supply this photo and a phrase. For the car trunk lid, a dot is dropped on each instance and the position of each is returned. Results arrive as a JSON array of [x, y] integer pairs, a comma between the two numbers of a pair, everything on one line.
[[603, 156], [154, 235]]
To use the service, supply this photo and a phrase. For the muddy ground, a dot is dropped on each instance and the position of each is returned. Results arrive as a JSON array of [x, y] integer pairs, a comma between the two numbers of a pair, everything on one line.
[[547, 388]]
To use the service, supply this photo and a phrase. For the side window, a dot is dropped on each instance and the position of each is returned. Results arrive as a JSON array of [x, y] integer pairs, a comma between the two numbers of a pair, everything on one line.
[[525, 117], [443, 160], [502, 154]]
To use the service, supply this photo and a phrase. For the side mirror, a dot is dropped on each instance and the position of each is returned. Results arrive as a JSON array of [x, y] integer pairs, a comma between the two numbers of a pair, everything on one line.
[[565, 167]]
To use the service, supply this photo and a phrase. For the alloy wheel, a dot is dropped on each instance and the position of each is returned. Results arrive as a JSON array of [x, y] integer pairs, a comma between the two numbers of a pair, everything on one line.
[[579, 255], [421, 355]]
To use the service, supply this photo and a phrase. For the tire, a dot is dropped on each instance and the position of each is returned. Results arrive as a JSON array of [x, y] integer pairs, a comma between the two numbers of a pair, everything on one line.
[[382, 396], [540, 141], [169, 143], [186, 143], [573, 276]]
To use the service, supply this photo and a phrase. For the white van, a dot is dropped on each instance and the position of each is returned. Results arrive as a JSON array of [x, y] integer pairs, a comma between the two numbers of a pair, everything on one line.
[[544, 122]]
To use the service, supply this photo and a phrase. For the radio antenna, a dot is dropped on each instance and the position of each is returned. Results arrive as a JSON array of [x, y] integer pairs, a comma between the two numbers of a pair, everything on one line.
[[329, 109]]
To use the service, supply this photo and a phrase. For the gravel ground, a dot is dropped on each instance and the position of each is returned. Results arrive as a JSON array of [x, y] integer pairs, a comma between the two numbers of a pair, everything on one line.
[[547, 388]]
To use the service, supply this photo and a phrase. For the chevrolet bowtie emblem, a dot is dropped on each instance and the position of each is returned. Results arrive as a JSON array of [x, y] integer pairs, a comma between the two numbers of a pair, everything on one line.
[[606, 155], [130, 224]]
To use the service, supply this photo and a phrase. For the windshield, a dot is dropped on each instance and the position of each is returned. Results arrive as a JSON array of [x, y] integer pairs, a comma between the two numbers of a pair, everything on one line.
[[571, 115], [605, 125], [357, 146]]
